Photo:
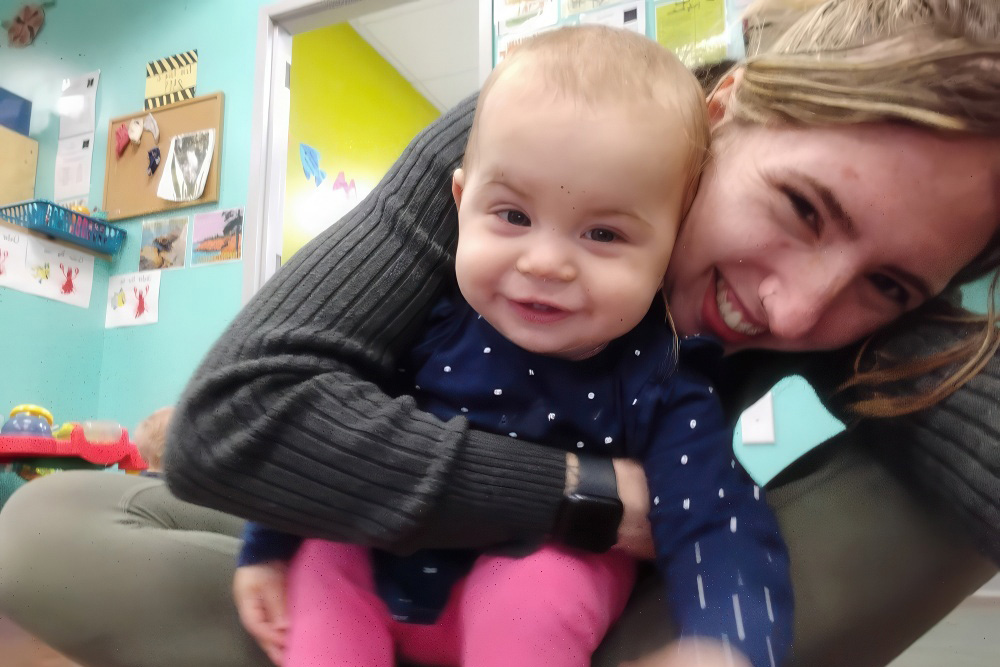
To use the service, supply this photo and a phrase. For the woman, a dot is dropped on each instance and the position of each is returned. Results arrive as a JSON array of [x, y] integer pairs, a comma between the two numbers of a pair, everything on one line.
[[796, 241]]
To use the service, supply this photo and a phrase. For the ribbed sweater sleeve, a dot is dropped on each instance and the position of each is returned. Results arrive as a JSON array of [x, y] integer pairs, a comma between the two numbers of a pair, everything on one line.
[[285, 421], [948, 455]]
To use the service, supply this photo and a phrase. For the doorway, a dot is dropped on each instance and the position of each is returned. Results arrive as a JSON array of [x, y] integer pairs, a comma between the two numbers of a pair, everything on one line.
[[440, 48]]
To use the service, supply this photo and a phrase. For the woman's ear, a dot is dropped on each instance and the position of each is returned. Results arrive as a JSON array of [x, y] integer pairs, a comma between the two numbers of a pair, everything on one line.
[[718, 99], [457, 185]]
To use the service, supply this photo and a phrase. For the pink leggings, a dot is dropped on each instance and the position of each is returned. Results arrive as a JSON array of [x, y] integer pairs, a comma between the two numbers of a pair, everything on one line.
[[551, 608]]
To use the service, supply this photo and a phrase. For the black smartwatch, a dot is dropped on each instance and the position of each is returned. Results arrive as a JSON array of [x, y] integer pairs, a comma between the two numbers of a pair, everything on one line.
[[589, 517]]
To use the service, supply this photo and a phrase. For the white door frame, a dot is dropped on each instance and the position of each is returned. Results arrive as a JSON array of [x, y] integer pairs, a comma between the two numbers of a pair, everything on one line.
[[276, 25]]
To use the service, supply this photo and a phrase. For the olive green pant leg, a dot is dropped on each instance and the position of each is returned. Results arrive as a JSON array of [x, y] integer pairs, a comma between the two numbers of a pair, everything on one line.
[[114, 571], [872, 569]]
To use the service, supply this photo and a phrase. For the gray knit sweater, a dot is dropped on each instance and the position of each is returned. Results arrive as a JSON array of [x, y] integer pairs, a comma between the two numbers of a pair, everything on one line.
[[285, 421]]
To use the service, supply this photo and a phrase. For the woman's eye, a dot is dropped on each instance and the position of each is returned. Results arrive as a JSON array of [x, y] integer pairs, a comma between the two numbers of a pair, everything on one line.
[[891, 288], [515, 218], [601, 235], [806, 212]]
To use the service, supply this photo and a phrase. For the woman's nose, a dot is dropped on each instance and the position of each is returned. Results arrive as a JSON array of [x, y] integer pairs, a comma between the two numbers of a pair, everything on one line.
[[796, 303], [547, 259]]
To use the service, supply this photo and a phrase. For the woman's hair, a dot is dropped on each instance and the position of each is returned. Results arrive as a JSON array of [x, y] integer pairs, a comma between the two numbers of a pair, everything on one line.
[[929, 63]]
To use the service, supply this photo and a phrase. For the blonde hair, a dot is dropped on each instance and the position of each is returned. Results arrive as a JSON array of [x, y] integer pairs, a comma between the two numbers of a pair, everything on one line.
[[929, 63], [599, 65], [151, 437]]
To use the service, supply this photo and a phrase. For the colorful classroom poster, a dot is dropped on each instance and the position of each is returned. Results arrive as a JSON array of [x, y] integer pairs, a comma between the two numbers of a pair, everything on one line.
[[629, 15], [693, 29], [171, 79], [13, 251], [524, 15], [164, 244], [571, 7], [133, 299], [217, 237], [59, 273]]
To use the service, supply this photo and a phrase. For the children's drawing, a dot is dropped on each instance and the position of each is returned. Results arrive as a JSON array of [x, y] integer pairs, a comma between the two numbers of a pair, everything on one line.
[[41, 272], [57, 272], [140, 305], [68, 273], [350, 189], [217, 237], [310, 164], [133, 299], [164, 244], [14, 272]]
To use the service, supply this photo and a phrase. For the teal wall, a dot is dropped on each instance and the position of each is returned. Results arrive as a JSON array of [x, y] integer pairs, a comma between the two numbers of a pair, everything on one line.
[[59, 355]]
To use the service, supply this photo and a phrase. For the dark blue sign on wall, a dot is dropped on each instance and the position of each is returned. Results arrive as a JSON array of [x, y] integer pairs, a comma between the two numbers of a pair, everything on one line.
[[15, 112]]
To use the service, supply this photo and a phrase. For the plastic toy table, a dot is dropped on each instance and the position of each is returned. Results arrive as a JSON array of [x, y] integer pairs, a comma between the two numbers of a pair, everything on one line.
[[121, 453]]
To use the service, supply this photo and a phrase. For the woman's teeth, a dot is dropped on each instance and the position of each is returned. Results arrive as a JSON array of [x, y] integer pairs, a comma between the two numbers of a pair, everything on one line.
[[731, 315]]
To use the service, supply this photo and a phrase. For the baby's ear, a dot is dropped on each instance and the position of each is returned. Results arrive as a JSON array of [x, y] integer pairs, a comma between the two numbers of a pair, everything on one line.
[[457, 186], [718, 99]]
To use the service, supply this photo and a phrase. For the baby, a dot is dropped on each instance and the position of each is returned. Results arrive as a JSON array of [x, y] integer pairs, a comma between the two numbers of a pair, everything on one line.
[[582, 160]]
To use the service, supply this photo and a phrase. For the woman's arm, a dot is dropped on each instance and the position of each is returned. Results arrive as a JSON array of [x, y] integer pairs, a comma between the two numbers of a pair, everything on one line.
[[284, 422]]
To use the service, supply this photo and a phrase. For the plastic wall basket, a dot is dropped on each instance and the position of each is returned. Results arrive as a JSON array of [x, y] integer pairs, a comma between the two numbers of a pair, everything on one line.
[[62, 223]]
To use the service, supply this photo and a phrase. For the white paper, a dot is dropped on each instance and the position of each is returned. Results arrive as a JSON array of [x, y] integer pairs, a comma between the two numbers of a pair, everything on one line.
[[13, 250], [185, 172], [74, 157], [133, 299], [59, 273], [631, 15], [77, 104], [757, 422], [524, 15]]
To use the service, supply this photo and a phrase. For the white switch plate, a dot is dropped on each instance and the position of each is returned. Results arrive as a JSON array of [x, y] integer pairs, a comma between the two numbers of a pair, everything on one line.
[[757, 422]]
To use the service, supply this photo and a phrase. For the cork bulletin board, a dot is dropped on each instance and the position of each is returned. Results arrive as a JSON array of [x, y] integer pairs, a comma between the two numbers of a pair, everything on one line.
[[128, 190]]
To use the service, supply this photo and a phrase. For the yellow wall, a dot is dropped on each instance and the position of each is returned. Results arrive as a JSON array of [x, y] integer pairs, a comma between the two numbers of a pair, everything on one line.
[[356, 110]]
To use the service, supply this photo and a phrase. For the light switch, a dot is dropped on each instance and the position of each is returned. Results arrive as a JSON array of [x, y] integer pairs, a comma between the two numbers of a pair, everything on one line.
[[757, 422]]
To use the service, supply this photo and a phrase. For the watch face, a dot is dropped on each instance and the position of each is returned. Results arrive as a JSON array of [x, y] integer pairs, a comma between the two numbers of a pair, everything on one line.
[[595, 521]]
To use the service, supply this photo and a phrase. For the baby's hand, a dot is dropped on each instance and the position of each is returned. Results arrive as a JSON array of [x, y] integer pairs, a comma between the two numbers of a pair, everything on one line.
[[693, 653], [259, 591]]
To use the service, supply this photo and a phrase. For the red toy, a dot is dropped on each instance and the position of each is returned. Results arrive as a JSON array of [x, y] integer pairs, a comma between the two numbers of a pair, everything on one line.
[[123, 453]]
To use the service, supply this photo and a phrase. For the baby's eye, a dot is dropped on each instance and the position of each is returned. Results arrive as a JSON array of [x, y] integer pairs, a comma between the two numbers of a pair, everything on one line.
[[601, 235], [515, 218]]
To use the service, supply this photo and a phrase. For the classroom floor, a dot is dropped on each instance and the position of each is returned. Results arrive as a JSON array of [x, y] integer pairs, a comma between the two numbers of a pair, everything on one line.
[[969, 637]]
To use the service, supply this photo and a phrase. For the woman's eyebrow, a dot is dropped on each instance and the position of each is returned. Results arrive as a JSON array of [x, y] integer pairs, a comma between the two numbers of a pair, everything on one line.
[[833, 206]]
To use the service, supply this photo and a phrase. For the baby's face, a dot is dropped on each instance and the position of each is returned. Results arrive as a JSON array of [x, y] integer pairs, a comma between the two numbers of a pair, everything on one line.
[[568, 213]]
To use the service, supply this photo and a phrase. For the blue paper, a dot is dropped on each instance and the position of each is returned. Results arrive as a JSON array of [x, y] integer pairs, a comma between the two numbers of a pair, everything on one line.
[[310, 163]]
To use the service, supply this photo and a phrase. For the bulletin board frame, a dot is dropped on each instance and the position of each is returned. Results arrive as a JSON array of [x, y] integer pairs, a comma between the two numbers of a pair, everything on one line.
[[128, 191]]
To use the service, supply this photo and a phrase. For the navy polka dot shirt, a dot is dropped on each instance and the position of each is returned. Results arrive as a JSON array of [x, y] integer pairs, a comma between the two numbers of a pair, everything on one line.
[[718, 545]]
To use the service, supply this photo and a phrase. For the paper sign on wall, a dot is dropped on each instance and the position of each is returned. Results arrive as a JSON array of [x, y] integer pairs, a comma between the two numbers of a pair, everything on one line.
[[171, 79], [631, 16], [73, 160], [217, 237], [78, 104], [58, 273], [133, 299], [13, 250], [693, 29]]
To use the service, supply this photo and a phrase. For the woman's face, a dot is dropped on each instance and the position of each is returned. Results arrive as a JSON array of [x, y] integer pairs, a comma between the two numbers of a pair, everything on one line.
[[810, 239]]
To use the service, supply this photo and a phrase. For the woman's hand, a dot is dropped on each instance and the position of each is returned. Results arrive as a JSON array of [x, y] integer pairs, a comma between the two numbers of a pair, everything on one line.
[[695, 652], [259, 592], [635, 535]]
